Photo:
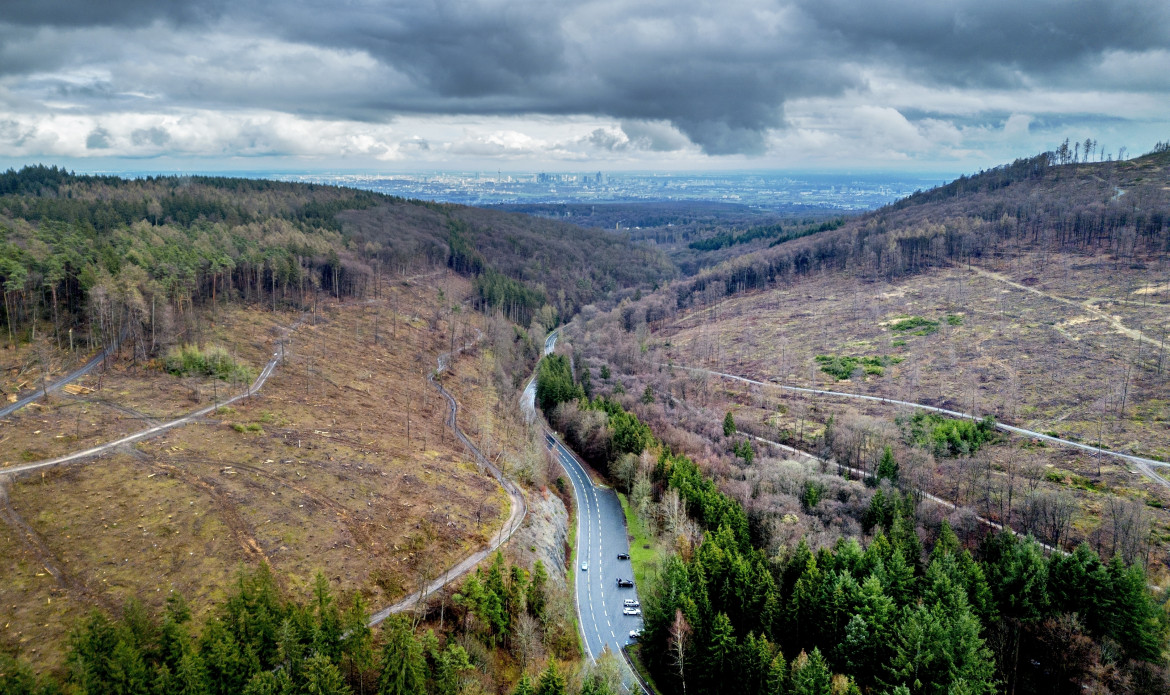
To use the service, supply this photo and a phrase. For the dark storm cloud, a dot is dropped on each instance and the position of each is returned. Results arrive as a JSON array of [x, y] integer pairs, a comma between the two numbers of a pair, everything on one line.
[[993, 42], [720, 73], [719, 78], [80, 13]]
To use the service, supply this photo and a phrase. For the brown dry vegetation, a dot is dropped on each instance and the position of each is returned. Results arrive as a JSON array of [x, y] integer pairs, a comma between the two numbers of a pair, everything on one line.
[[323, 475], [1044, 357], [1063, 343]]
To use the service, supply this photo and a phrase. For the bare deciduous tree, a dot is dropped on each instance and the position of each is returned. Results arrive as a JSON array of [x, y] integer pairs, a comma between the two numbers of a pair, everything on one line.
[[680, 637]]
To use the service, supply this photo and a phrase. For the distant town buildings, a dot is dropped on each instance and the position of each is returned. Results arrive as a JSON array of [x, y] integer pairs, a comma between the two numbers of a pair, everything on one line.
[[832, 191]]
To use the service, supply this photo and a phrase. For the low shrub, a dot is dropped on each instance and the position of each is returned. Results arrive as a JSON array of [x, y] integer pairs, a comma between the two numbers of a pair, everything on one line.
[[213, 361]]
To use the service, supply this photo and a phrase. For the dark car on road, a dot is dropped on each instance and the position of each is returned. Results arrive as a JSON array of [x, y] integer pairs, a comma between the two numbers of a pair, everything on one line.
[[623, 556], [625, 583]]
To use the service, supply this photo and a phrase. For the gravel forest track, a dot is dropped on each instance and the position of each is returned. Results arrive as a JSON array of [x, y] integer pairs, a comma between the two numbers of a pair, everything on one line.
[[72, 376], [156, 429], [519, 507], [1144, 465], [240, 529]]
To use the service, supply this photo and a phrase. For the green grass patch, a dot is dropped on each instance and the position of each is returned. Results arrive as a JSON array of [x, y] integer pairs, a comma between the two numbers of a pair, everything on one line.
[[1082, 483], [571, 573], [954, 320], [641, 557], [898, 343], [917, 324], [843, 366]]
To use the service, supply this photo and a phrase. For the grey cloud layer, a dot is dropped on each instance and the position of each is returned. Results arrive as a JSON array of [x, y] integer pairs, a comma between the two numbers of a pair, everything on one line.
[[721, 73]]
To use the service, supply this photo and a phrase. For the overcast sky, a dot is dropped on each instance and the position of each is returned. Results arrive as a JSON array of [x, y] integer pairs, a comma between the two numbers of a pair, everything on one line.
[[400, 85]]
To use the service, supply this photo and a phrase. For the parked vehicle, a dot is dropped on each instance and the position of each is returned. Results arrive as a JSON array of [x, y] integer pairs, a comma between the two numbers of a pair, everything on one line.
[[625, 583], [584, 566], [631, 603], [635, 634], [623, 556], [631, 611]]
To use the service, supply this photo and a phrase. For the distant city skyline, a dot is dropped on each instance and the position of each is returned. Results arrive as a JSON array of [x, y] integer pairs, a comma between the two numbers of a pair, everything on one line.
[[758, 189], [792, 85]]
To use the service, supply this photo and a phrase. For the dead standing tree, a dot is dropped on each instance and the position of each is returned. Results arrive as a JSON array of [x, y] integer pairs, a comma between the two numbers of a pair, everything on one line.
[[680, 637]]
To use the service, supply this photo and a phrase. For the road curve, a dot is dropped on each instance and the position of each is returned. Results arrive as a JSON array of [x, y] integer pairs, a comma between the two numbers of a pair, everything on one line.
[[151, 431], [1144, 465], [516, 498], [72, 376], [601, 536]]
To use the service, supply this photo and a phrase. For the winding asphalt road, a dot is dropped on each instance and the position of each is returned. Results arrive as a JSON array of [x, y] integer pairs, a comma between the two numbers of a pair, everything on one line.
[[1144, 465], [601, 536]]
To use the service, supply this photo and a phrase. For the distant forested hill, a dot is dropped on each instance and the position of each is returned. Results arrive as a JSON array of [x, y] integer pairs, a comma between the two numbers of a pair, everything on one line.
[[1121, 208], [103, 254]]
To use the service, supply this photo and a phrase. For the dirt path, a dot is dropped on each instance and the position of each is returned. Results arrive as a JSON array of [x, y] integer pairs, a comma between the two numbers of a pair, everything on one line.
[[157, 429], [1144, 466], [516, 498], [1088, 306], [225, 506], [357, 531], [37, 546]]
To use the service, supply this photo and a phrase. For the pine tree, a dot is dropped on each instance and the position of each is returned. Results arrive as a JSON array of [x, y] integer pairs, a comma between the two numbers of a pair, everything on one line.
[[887, 466], [937, 647], [322, 677], [810, 675], [1138, 625], [327, 631], [777, 675], [524, 686], [719, 652], [357, 643], [728, 425], [899, 580], [551, 681], [535, 598], [947, 542], [450, 664], [403, 664], [904, 537], [754, 662], [269, 683], [190, 677]]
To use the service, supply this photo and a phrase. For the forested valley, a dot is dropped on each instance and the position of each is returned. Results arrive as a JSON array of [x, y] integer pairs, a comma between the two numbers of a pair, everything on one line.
[[812, 543], [105, 257], [201, 544], [786, 536]]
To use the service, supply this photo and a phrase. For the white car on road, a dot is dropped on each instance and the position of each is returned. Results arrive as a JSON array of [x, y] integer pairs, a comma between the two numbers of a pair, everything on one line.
[[631, 611]]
